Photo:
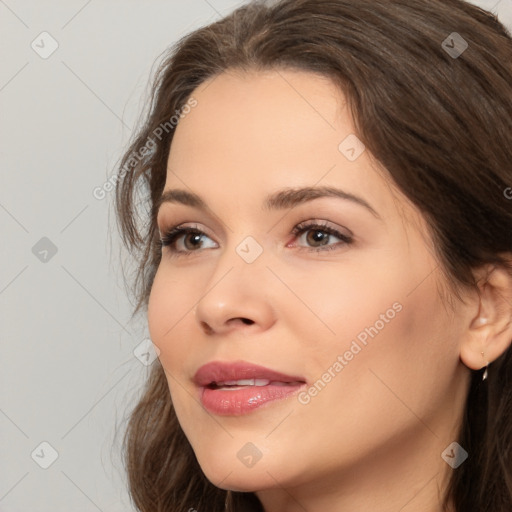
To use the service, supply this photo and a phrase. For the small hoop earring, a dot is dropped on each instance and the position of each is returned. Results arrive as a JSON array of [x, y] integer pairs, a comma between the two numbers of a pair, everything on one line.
[[486, 372]]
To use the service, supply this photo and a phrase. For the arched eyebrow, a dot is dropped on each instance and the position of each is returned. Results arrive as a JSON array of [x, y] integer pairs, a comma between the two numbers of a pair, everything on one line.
[[280, 200]]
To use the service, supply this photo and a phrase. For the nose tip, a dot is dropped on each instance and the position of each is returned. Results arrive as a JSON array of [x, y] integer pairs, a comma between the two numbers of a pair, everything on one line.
[[236, 304]]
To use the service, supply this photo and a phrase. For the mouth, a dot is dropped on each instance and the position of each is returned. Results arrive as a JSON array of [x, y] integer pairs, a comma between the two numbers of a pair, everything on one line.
[[243, 383], [233, 389]]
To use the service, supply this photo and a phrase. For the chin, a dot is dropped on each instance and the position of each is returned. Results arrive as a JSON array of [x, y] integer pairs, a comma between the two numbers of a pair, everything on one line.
[[243, 483], [225, 473]]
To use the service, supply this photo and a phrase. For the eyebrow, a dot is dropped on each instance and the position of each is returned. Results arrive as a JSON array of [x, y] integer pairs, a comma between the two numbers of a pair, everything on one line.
[[281, 200]]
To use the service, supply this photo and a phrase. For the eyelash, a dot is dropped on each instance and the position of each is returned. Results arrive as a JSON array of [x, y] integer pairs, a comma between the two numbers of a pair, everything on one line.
[[170, 237]]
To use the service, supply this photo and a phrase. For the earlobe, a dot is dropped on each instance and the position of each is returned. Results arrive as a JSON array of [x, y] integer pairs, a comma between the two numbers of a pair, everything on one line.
[[479, 321], [473, 348]]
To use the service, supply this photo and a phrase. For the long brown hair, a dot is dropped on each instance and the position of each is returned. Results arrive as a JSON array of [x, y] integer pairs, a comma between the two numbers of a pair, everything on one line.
[[439, 122]]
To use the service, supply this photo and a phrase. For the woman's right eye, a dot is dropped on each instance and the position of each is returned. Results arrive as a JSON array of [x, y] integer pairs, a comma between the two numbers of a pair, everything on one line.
[[190, 238]]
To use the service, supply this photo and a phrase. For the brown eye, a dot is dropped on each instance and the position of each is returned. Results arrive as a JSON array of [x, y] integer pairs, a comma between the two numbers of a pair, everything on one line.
[[317, 237], [191, 239]]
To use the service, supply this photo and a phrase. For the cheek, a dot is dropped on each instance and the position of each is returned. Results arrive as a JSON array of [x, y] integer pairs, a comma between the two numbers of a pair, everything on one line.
[[394, 381], [391, 330], [170, 301], [389, 368], [340, 303]]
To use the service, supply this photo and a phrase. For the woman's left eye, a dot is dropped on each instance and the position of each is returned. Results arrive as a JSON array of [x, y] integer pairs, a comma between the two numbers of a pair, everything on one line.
[[317, 234]]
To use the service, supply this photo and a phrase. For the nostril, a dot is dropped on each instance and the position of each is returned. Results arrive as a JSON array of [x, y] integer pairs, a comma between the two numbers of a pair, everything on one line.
[[206, 328], [247, 321]]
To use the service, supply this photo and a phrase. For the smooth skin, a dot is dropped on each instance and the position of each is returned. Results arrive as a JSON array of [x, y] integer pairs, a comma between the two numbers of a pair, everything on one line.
[[372, 438]]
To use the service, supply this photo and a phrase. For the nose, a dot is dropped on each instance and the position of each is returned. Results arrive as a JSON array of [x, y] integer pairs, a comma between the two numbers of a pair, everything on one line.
[[236, 298]]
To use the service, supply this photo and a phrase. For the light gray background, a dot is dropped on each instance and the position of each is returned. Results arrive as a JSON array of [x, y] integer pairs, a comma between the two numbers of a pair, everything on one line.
[[68, 372]]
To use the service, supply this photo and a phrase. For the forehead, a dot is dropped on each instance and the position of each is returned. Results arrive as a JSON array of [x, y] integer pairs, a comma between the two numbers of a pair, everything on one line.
[[259, 131], [270, 122], [286, 103]]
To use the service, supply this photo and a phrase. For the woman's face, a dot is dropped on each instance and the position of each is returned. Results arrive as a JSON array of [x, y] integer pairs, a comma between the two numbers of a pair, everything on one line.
[[348, 311]]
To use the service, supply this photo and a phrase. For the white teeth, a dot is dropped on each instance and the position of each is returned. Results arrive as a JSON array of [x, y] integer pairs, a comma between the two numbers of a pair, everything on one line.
[[244, 382]]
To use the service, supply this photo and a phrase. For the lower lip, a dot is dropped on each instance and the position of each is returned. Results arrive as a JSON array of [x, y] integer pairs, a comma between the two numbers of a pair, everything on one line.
[[235, 402]]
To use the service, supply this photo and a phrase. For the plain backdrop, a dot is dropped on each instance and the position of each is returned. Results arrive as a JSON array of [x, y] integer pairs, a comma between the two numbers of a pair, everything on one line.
[[73, 80]]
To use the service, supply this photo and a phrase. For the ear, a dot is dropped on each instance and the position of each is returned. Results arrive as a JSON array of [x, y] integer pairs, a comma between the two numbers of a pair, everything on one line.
[[490, 328]]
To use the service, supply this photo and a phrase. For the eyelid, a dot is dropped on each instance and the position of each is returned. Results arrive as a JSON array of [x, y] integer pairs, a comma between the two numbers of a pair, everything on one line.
[[324, 224], [165, 222], [192, 226], [185, 227]]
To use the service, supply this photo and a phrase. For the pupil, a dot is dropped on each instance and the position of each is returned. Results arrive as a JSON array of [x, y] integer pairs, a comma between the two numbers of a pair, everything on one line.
[[196, 237], [318, 236]]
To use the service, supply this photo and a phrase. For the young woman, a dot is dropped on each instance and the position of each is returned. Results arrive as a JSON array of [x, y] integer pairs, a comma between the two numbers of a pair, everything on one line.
[[326, 262]]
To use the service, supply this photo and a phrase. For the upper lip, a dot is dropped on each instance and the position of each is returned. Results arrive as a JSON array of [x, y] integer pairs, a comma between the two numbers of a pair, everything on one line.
[[218, 371]]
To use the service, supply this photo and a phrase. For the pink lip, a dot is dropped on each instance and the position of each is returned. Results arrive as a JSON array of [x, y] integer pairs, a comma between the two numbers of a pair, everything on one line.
[[239, 400]]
